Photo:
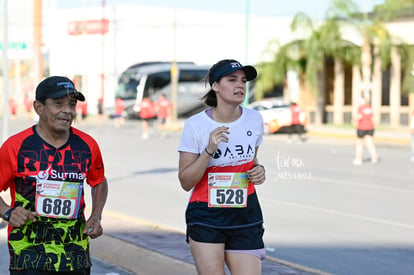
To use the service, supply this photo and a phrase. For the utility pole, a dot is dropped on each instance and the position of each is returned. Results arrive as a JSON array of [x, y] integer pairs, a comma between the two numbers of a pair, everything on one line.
[[37, 27], [174, 72], [5, 74], [246, 48], [103, 56]]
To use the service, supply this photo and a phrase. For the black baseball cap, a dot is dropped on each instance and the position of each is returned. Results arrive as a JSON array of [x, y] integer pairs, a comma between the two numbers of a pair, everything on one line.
[[226, 67], [57, 87]]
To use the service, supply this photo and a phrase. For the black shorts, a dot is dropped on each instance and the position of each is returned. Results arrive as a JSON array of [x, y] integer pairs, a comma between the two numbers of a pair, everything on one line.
[[86, 271], [363, 133], [247, 238], [148, 119]]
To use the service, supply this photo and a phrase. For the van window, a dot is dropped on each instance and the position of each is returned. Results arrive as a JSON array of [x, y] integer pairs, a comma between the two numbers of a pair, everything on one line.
[[156, 82], [127, 86], [159, 81], [192, 75]]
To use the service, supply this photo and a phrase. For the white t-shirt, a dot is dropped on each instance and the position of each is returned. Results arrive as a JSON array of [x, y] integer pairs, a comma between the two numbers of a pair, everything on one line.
[[234, 157], [246, 133]]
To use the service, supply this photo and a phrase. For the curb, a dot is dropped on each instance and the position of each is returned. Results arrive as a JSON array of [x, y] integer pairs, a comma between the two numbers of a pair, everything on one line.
[[137, 259], [173, 127], [125, 244], [146, 249], [306, 269], [378, 138]]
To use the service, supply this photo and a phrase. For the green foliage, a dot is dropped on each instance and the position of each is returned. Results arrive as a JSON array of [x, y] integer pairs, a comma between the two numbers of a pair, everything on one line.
[[273, 73], [392, 9], [407, 57], [341, 9], [324, 40]]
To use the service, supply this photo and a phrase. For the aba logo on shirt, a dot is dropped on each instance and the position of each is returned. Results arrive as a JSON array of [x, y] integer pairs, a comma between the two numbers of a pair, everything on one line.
[[238, 151]]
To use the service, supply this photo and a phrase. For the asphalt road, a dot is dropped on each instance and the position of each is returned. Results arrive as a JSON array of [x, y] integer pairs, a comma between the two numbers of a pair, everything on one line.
[[339, 218], [320, 210]]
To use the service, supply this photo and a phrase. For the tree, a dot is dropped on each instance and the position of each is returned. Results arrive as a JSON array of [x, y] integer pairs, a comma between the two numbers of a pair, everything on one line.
[[324, 40], [378, 49], [273, 73], [308, 56]]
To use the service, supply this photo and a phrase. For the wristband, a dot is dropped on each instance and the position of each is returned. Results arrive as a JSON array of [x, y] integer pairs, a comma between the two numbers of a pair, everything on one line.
[[7, 214], [208, 152]]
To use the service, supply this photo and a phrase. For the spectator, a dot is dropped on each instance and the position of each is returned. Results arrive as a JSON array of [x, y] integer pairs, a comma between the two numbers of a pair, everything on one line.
[[297, 122], [147, 115], [163, 108], [412, 135], [12, 107], [28, 103], [82, 109], [119, 112], [365, 133], [99, 106]]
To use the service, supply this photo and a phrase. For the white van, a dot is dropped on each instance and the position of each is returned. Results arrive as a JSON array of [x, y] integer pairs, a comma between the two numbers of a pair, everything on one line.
[[152, 79]]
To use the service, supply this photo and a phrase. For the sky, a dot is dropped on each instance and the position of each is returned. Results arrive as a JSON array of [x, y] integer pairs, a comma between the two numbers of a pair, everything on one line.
[[314, 8]]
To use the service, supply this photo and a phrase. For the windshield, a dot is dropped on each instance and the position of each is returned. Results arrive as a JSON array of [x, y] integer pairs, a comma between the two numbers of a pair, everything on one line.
[[127, 86]]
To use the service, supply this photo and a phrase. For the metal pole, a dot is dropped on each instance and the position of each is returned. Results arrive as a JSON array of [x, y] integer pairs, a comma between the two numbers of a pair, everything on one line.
[[37, 26], [103, 56], [5, 74], [246, 48], [174, 72]]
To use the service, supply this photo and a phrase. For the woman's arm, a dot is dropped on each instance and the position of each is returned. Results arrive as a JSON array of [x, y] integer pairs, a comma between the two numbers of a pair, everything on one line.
[[192, 166], [257, 175]]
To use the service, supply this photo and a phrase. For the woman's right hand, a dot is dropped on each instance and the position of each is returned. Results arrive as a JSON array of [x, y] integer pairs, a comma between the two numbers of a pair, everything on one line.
[[220, 134]]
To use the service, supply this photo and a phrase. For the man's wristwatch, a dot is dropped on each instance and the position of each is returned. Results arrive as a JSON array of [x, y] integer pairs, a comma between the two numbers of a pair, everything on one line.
[[7, 214]]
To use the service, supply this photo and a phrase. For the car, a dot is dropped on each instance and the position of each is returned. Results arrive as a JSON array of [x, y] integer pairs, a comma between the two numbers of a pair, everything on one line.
[[276, 114]]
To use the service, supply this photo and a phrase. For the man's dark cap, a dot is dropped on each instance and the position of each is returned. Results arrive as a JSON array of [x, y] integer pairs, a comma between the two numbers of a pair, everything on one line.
[[57, 87]]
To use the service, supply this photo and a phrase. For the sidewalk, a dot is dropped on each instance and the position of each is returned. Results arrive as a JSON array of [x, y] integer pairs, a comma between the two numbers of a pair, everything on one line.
[[147, 249], [398, 136]]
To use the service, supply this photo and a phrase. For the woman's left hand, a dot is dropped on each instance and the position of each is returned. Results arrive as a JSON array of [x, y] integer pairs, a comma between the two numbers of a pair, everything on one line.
[[257, 175]]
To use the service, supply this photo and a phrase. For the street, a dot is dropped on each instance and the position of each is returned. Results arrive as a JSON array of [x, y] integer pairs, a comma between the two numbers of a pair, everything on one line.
[[340, 218], [320, 210]]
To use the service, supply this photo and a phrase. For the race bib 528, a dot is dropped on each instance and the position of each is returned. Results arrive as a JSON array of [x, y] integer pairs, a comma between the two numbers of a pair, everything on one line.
[[227, 189]]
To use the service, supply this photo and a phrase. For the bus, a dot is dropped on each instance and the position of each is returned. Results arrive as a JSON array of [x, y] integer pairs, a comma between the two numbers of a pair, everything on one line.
[[152, 79]]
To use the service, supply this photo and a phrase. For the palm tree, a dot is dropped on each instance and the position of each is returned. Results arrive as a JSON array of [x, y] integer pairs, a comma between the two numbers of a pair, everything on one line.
[[390, 51], [324, 41], [308, 56], [288, 57], [379, 50]]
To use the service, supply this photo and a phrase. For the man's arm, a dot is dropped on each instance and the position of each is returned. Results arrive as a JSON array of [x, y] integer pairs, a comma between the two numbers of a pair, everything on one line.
[[93, 226], [16, 217], [3, 207]]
